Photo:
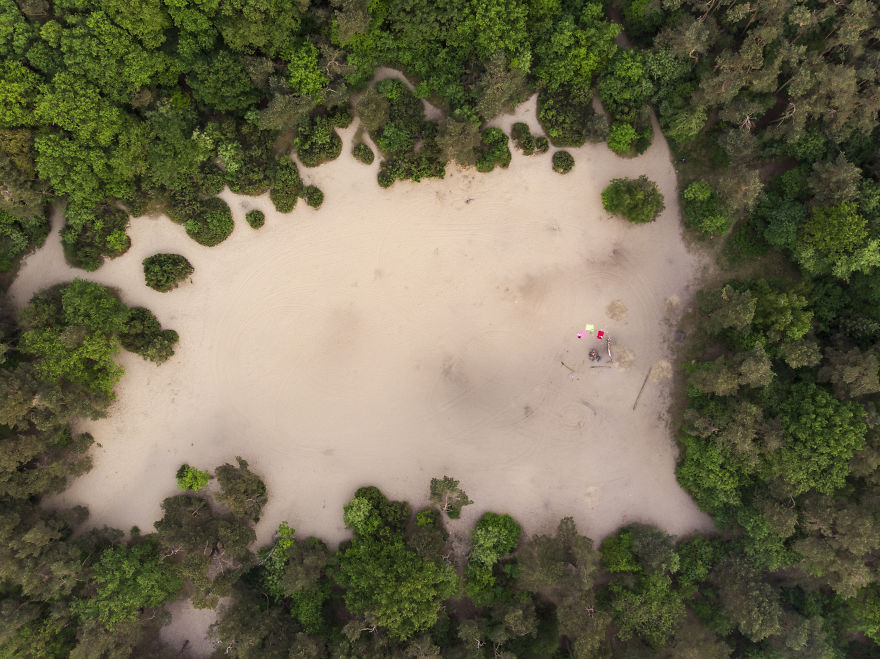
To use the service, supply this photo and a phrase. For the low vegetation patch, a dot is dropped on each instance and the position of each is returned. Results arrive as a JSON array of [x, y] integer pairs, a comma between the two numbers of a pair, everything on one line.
[[313, 196], [163, 272], [213, 223], [255, 218], [637, 200], [363, 153], [563, 162]]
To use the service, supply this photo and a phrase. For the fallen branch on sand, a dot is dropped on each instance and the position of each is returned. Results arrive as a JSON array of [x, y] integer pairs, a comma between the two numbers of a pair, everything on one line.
[[647, 375]]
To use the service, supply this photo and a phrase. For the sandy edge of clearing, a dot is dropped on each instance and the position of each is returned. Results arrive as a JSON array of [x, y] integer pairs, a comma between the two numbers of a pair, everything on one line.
[[395, 335]]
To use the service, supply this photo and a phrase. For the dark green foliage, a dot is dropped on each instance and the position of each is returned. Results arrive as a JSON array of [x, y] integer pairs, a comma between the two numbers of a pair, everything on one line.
[[493, 150], [18, 236], [241, 490], [163, 272], [363, 153], [703, 210], [313, 196], [637, 200], [569, 123], [523, 138], [220, 82], [142, 334], [563, 162], [625, 89], [542, 144], [316, 140], [91, 234], [255, 218], [211, 223], [127, 580], [286, 185]]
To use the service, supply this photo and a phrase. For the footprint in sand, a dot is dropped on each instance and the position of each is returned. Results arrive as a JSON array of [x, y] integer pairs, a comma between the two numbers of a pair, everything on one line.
[[616, 310]]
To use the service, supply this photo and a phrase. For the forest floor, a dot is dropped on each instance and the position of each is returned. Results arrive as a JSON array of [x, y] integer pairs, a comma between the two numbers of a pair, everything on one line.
[[397, 335]]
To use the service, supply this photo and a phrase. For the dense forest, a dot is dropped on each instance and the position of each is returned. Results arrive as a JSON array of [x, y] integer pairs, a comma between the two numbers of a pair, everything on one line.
[[113, 109]]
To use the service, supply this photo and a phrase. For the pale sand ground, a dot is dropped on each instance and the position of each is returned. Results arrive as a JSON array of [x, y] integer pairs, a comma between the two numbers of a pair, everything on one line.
[[395, 335]]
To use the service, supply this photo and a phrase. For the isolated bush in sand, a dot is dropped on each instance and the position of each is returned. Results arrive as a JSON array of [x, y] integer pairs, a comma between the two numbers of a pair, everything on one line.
[[637, 200], [563, 162], [255, 218], [163, 272]]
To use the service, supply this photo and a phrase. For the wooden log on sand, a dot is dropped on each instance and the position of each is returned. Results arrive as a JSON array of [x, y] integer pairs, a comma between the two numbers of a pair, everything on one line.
[[644, 382]]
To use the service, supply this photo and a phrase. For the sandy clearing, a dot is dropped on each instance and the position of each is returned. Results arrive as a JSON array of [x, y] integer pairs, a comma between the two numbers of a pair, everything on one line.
[[395, 335]]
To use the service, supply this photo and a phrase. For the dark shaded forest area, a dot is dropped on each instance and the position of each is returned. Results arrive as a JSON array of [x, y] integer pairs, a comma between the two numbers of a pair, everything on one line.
[[113, 109]]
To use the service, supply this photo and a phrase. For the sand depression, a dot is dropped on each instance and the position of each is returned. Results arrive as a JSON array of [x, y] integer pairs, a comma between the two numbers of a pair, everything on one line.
[[395, 335]]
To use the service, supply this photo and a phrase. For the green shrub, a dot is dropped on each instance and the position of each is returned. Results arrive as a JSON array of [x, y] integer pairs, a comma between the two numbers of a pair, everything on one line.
[[523, 138], [163, 272], [286, 185], [494, 150], [363, 153], [395, 138], [190, 478], [341, 115], [638, 200], [143, 335], [255, 218], [313, 196], [90, 234], [316, 140], [424, 163], [212, 225], [622, 138], [703, 210], [563, 162], [18, 235], [250, 179], [542, 144]]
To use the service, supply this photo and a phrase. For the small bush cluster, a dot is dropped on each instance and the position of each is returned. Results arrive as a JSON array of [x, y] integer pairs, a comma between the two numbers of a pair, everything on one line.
[[563, 162], [18, 235], [313, 196], [703, 210], [523, 138], [316, 140], [212, 224], [363, 153], [494, 150], [287, 186], [163, 272], [637, 200], [255, 218], [90, 234], [570, 121], [395, 119], [142, 334], [542, 144]]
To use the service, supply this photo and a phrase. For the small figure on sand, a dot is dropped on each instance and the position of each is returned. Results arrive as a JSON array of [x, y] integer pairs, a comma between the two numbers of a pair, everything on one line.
[[587, 330], [594, 356]]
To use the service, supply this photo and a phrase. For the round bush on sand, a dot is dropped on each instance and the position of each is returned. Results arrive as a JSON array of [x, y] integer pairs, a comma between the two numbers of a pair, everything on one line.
[[163, 272], [636, 199], [563, 162], [255, 218]]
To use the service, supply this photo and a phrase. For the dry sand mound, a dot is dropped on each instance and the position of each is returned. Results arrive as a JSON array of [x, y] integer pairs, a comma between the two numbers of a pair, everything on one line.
[[395, 335]]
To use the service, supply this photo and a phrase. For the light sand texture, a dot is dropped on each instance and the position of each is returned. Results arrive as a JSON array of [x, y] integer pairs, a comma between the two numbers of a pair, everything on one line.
[[395, 335]]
